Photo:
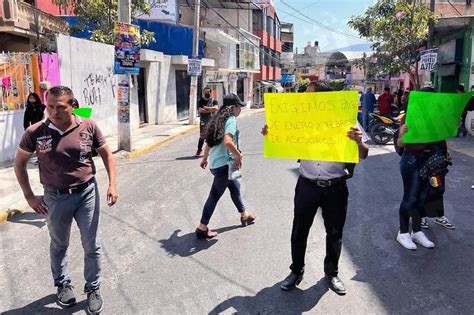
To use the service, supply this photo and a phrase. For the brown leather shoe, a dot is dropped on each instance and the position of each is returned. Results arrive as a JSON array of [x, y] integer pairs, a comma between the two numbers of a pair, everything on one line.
[[247, 220], [205, 234]]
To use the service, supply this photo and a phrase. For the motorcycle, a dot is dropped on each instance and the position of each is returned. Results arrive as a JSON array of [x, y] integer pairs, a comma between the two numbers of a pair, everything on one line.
[[383, 128]]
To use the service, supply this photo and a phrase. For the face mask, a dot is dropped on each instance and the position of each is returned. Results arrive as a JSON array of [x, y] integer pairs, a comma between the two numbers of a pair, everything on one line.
[[207, 95]]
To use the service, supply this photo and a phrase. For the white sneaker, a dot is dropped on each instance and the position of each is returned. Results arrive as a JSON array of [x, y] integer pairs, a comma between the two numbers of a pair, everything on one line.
[[420, 238], [405, 240]]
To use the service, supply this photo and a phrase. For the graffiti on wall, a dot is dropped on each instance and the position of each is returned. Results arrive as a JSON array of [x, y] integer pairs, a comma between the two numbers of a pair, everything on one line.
[[97, 86]]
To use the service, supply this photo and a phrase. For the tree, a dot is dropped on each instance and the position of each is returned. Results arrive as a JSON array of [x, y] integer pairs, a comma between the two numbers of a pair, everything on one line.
[[336, 84], [301, 83], [99, 16], [398, 30], [368, 65]]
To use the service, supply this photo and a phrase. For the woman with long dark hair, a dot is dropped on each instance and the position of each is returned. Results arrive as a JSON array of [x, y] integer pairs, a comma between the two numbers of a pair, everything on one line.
[[34, 110], [222, 145]]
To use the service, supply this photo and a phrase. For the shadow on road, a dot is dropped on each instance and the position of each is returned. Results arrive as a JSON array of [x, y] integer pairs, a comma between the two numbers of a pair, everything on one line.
[[30, 218], [273, 300], [40, 307], [188, 158], [187, 244], [410, 281]]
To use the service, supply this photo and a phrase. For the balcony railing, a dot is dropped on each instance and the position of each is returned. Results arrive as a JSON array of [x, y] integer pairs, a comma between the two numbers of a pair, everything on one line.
[[21, 16]]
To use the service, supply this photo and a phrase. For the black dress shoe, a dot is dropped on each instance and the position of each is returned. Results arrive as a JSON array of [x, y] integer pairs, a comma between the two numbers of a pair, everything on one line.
[[291, 281], [336, 284]]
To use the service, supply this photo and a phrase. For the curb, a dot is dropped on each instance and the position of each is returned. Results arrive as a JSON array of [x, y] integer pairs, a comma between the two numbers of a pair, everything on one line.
[[142, 151], [6, 215], [454, 147]]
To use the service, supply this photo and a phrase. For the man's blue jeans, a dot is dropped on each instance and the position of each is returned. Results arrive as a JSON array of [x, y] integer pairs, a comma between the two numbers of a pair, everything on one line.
[[365, 120], [83, 207], [415, 192], [220, 184]]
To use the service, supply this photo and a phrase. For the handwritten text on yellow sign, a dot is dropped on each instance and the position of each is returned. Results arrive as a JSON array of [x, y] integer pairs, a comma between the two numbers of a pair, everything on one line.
[[311, 126]]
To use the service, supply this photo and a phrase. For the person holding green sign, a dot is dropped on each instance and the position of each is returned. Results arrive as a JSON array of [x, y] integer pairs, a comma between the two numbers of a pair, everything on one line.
[[417, 186]]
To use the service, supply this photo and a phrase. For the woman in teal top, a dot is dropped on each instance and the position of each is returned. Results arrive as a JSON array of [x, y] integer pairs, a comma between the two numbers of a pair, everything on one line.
[[222, 145]]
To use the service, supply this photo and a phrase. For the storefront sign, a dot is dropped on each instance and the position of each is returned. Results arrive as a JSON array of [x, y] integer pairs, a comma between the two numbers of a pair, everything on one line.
[[429, 59], [194, 66], [242, 75], [127, 48]]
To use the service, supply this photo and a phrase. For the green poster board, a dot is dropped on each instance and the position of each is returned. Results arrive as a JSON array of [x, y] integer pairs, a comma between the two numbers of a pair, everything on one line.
[[433, 117], [85, 112]]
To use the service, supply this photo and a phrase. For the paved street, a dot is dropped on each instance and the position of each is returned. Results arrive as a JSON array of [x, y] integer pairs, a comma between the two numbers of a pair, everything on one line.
[[153, 264]]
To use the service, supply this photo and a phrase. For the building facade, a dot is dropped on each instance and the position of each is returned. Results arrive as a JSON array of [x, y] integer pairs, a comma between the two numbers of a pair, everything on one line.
[[18, 30], [266, 25], [226, 31]]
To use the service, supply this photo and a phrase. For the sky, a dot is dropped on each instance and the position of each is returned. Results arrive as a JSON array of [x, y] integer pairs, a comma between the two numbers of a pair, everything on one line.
[[333, 13]]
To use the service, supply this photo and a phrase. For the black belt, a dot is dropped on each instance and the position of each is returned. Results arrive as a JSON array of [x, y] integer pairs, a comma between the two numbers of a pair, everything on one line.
[[70, 190], [326, 183]]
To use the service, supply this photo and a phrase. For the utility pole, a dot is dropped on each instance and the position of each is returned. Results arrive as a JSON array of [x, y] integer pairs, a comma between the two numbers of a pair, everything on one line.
[[123, 116], [38, 41], [194, 78], [431, 26]]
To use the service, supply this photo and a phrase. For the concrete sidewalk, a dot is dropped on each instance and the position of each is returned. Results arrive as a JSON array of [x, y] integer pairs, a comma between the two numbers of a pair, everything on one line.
[[464, 145], [143, 141]]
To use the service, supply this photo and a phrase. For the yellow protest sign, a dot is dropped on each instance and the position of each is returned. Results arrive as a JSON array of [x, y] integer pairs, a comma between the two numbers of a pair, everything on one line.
[[311, 126]]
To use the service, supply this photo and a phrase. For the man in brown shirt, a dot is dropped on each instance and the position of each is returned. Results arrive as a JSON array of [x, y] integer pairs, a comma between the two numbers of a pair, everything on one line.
[[64, 144]]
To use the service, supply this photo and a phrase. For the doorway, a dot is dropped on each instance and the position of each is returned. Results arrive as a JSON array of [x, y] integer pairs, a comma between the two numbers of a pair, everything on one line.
[[183, 83], [241, 89], [142, 106]]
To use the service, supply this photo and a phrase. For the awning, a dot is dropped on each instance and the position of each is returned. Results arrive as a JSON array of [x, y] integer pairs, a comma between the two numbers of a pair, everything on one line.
[[218, 4], [276, 85], [219, 37]]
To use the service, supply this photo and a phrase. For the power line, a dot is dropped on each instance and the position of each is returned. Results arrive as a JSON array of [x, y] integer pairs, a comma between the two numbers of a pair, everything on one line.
[[278, 61], [239, 31], [305, 7], [318, 23], [454, 7]]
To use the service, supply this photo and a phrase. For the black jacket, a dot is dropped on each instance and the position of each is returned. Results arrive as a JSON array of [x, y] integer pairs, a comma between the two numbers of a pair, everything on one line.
[[33, 114]]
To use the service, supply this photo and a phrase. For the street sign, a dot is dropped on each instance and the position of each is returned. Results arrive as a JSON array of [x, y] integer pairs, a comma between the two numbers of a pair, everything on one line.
[[127, 48], [194, 66], [242, 75]]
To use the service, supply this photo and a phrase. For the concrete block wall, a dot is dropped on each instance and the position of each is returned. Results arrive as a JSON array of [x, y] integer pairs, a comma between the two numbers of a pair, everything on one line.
[[88, 69]]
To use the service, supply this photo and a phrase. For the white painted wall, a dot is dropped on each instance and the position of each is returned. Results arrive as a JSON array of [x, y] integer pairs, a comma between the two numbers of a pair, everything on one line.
[[87, 68], [11, 129], [167, 110]]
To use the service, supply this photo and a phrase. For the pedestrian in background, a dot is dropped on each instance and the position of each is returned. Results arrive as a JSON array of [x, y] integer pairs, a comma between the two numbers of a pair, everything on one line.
[[207, 105], [385, 102], [222, 147], [368, 106], [34, 111], [404, 101], [462, 125], [64, 144], [321, 185]]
